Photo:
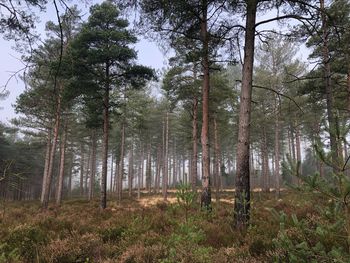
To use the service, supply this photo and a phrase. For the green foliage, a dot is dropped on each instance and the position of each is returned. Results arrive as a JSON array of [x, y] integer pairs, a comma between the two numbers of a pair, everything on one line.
[[112, 234], [24, 240], [185, 197], [322, 237]]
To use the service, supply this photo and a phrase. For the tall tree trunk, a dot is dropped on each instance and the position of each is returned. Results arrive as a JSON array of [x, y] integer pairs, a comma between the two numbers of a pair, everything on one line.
[[165, 170], [46, 187], [92, 165], [216, 159], [206, 191], [149, 169], [265, 162], [70, 176], [139, 174], [88, 174], [174, 164], [242, 195], [111, 179], [47, 161], [159, 168], [62, 161], [103, 203], [277, 150], [194, 144], [82, 169], [131, 169], [298, 148], [121, 166], [332, 120]]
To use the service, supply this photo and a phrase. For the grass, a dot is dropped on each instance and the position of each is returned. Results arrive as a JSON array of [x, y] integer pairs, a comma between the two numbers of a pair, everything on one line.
[[145, 230]]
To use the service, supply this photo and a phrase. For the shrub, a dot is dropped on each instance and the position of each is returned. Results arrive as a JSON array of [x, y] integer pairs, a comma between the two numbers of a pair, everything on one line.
[[24, 240]]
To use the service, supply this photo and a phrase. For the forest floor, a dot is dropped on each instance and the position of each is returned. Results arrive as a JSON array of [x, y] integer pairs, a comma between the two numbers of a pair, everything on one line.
[[146, 230]]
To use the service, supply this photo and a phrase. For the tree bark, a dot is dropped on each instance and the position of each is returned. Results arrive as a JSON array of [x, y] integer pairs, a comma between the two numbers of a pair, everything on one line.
[[121, 166], [216, 160], [62, 166], [333, 125], [46, 188], [194, 144], [111, 179], [206, 191], [277, 150], [165, 170], [47, 161], [265, 162], [103, 203], [131, 169], [82, 169], [92, 165], [242, 195]]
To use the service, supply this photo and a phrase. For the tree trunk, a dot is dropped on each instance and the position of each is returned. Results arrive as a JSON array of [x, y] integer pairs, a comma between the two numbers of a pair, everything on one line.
[[216, 160], [82, 169], [149, 170], [265, 162], [333, 125], [165, 170], [62, 160], [298, 148], [194, 144], [206, 191], [159, 168], [47, 161], [46, 187], [277, 150], [121, 166], [131, 169], [92, 165], [242, 196], [103, 203], [111, 179], [139, 173]]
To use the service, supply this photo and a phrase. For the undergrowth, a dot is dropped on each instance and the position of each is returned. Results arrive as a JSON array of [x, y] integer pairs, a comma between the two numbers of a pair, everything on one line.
[[79, 231]]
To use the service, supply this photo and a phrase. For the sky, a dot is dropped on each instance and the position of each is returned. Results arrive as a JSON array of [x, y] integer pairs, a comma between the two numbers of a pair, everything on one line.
[[148, 54]]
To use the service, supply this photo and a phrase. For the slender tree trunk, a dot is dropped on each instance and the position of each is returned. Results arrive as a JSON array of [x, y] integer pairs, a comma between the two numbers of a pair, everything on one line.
[[121, 166], [111, 179], [142, 167], [159, 168], [46, 187], [277, 150], [139, 173], [265, 162], [82, 157], [194, 144], [216, 160], [242, 195], [70, 176], [165, 172], [47, 161], [92, 165], [103, 203], [88, 174], [149, 170], [131, 169], [174, 164], [332, 120], [292, 139], [62, 161], [206, 191]]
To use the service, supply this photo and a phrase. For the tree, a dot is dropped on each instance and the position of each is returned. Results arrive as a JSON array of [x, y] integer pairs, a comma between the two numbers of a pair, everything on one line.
[[102, 48]]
